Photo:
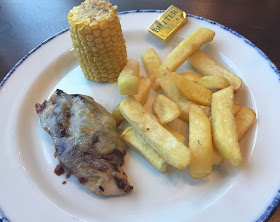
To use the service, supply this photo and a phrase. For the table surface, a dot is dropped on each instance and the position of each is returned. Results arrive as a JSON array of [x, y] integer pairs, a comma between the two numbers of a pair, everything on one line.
[[25, 24]]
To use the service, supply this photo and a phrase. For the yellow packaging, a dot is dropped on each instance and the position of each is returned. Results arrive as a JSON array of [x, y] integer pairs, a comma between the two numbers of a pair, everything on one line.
[[168, 23]]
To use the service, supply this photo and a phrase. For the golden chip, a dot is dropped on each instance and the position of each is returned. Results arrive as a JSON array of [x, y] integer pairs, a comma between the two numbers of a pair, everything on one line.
[[165, 109]]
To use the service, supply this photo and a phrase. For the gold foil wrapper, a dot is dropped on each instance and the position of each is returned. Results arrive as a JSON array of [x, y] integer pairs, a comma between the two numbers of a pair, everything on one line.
[[168, 23]]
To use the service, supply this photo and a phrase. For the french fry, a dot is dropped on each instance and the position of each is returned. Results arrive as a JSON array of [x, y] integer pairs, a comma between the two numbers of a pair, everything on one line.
[[236, 108], [175, 133], [191, 76], [200, 143], [193, 91], [165, 109], [117, 115], [168, 85], [244, 118], [217, 158], [213, 82], [208, 67], [188, 46], [224, 128], [139, 144], [167, 145], [128, 79], [243, 121], [145, 84], [152, 63]]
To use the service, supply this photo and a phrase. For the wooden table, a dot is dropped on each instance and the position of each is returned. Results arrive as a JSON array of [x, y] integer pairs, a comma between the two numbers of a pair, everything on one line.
[[25, 24]]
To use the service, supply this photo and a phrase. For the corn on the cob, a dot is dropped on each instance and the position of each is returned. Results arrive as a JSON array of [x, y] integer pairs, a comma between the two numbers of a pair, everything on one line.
[[98, 40]]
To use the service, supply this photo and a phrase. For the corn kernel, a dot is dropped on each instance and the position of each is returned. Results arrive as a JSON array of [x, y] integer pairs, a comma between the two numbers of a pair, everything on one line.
[[110, 70], [99, 63], [106, 60], [91, 44], [108, 44], [114, 38], [94, 26], [113, 32], [103, 74], [103, 25], [81, 32], [84, 43], [116, 43], [98, 40], [87, 30], [109, 66], [107, 39], [105, 33], [111, 75], [96, 33], [89, 37], [112, 24], [102, 51]]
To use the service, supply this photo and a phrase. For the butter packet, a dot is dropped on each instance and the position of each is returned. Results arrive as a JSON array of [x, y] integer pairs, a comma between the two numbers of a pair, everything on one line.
[[168, 23]]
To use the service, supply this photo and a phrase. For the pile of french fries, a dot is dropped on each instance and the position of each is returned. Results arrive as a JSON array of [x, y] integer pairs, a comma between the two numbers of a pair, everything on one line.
[[204, 100]]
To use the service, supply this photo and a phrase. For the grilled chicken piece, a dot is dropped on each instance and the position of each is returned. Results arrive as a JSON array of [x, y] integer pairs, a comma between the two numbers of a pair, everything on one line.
[[86, 141]]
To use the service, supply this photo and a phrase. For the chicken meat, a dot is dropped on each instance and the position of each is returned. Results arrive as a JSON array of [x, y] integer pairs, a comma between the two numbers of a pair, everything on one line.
[[86, 142]]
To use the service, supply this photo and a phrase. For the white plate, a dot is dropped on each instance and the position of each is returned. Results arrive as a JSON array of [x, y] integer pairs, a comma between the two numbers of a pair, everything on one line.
[[30, 191]]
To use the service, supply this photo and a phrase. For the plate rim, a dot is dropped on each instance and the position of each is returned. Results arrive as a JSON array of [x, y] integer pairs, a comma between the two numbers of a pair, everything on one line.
[[272, 207]]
